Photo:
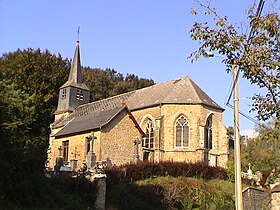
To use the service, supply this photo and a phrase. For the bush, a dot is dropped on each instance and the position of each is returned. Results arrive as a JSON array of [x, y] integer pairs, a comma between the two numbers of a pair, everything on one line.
[[172, 193], [133, 196], [82, 188], [144, 170]]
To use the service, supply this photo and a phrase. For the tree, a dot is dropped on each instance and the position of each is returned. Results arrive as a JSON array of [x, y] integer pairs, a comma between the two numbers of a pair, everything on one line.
[[258, 57], [106, 83], [262, 152], [230, 133], [29, 80], [134, 82], [21, 152], [39, 74]]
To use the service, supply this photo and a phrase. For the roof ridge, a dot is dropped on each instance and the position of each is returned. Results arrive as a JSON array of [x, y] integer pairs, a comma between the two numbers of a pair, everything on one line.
[[161, 83], [196, 88], [103, 104]]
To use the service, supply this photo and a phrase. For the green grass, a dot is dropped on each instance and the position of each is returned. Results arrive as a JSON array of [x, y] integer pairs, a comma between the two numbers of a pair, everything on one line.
[[172, 193]]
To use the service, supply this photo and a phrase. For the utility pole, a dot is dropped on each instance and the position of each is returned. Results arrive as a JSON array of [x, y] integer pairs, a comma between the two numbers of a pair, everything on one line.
[[237, 158]]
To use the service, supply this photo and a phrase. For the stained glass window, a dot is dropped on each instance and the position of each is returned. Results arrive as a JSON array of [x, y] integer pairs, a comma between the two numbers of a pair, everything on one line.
[[182, 132], [149, 135], [208, 133]]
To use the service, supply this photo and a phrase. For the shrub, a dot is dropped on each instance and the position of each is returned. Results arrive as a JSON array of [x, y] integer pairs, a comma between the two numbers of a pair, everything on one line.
[[190, 193], [144, 170], [172, 193], [133, 196]]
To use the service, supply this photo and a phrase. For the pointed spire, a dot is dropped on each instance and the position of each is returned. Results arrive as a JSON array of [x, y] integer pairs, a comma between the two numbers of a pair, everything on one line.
[[75, 72]]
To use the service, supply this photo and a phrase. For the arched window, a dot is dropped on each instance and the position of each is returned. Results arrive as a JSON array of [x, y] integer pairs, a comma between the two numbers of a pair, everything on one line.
[[182, 132], [208, 133], [149, 134]]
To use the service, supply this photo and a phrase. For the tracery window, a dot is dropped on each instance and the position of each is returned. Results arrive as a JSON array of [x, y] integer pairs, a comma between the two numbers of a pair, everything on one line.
[[182, 132], [208, 133], [149, 134]]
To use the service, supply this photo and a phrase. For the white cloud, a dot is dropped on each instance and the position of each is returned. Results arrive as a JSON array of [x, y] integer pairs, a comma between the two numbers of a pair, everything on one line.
[[249, 133]]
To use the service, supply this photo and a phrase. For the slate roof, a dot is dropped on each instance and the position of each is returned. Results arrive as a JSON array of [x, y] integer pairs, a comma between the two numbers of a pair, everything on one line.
[[92, 121], [98, 106], [178, 91]]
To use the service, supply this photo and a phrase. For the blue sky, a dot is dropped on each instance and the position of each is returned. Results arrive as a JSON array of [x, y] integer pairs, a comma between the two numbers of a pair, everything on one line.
[[148, 38]]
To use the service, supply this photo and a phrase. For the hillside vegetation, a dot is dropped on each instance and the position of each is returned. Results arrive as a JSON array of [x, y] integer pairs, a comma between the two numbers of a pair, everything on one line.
[[169, 185], [172, 193]]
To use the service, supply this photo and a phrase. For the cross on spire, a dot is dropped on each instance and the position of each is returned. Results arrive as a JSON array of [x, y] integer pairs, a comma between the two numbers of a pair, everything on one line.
[[78, 34]]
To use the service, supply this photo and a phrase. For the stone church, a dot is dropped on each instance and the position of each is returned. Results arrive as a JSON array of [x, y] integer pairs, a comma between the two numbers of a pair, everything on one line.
[[174, 120]]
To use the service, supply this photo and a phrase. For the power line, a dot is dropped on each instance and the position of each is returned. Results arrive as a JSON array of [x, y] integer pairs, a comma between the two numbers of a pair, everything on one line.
[[246, 116], [258, 13]]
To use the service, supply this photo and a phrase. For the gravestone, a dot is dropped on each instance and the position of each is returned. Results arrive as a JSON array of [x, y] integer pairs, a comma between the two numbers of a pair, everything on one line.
[[90, 159], [73, 164], [58, 164], [136, 150]]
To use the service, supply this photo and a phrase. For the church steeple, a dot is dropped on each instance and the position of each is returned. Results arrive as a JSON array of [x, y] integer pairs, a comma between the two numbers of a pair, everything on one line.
[[75, 72], [75, 75], [73, 92]]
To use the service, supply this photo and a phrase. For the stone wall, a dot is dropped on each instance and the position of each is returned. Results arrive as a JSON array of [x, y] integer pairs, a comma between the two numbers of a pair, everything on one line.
[[154, 114], [117, 140], [77, 148], [275, 198], [254, 199], [165, 116]]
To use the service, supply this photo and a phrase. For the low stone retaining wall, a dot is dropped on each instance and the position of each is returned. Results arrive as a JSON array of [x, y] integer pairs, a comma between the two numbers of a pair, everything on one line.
[[275, 198], [254, 199]]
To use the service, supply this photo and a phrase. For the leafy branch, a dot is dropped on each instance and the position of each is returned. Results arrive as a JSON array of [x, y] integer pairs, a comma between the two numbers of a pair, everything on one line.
[[258, 58]]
